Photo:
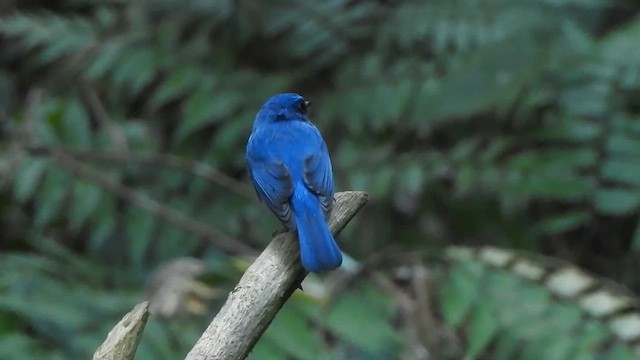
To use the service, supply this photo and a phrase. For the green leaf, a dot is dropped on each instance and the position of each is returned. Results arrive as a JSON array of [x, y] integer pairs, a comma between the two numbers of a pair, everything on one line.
[[623, 171], [587, 342], [135, 70], [76, 130], [587, 100], [232, 134], [413, 178], [562, 319], [482, 329], [551, 186], [48, 130], [507, 346], [559, 223], [178, 83], [290, 333], [110, 54], [205, 107], [616, 201], [158, 342], [615, 46], [103, 222], [569, 128], [55, 187], [140, 228], [619, 352], [554, 160], [28, 178], [22, 346], [84, 201], [623, 144], [460, 292], [487, 79], [266, 349], [351, 319], [382, 181]]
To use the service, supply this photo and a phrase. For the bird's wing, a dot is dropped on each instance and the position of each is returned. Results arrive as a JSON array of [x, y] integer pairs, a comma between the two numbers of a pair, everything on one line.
[[274, 186], [318, 177]]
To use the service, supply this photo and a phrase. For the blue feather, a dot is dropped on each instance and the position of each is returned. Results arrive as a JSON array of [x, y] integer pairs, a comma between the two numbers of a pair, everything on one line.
[[318, 249], [290, 168]]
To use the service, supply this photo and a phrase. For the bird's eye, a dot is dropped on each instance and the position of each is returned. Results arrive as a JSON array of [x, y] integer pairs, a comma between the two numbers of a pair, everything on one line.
[[303, 105]]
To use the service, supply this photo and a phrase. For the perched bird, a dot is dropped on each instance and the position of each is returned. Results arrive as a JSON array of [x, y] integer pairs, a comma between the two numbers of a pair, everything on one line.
[[289, 165]]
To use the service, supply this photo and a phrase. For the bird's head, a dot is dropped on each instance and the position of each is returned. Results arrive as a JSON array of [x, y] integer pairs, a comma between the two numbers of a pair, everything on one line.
[[287, 106]]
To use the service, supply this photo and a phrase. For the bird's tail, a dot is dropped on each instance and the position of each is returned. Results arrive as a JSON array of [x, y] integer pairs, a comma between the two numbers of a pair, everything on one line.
[[318, 250]]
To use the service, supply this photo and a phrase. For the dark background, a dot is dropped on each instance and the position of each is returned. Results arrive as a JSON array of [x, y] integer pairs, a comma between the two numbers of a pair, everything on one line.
[[508, 123]]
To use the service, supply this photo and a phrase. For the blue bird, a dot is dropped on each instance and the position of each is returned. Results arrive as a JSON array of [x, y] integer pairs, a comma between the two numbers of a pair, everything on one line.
[[289, 165]]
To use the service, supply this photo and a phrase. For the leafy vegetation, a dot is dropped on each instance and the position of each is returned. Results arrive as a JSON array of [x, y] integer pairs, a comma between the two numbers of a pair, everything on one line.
[[507, 123]]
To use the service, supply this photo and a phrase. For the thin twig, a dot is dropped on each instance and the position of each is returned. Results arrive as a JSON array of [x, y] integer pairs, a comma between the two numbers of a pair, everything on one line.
[[24, 132], [426, 341], [168, 214], [118, 138], [166, 160]]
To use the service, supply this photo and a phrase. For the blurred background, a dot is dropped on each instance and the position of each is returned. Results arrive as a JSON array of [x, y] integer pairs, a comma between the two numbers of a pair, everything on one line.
[[499, 142]]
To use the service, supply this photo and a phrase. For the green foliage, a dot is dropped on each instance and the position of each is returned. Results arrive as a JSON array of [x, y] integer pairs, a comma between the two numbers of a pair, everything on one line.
[[51, 296], [349, 320], [508, 122], [521, 319]]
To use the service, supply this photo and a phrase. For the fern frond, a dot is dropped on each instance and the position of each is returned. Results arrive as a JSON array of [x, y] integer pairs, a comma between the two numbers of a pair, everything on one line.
[[547, 286], [51, 36], [621, 60]]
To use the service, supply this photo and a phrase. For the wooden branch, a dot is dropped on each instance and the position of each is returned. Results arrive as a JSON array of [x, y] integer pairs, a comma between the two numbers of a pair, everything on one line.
[[263, 289], [123, 340]]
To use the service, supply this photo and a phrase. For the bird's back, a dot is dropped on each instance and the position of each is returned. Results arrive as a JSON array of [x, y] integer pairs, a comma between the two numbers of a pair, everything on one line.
[[288, 141]]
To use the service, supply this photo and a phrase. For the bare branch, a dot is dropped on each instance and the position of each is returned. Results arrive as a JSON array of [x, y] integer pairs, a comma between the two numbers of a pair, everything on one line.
[[118, 138], [263, 289], [170, 161], [123, 340], [24, 132]]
